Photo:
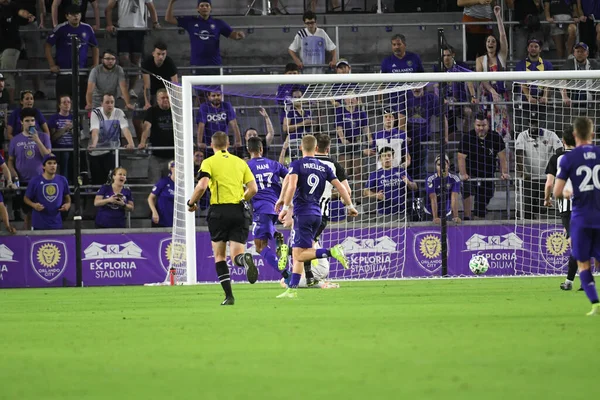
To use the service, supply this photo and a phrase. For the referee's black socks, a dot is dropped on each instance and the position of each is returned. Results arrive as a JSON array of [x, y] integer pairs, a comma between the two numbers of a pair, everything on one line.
[[224, 278]]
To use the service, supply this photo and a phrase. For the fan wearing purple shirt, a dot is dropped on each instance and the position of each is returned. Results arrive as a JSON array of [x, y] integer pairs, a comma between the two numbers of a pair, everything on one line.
[[61, 131], [14, 126], [400, 62], [61, 37], [216, 115], [204, 32], [3, 212], [391, 137], [433, 200], [268, 175], [420, 107], [352, 128], [48, 195], [297, 122], [25, 154], [388, 187], [113, 200], [284, 92], [582, 166], [162, 199], [306, 183]]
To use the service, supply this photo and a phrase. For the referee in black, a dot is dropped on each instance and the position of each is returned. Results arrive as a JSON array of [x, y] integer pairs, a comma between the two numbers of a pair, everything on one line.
[[229, 216], [564, 205]]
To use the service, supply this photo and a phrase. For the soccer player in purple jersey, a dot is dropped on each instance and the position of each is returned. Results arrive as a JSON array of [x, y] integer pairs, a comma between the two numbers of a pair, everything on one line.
[[306, 183], [582, 167], [268, 175]]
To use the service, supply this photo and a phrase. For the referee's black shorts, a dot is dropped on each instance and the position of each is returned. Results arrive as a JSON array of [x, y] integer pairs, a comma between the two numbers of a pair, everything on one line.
[[229, 222], [566, 221]]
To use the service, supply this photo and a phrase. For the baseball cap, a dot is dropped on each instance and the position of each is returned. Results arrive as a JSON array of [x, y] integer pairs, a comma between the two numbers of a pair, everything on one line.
[[539, 42], [48, 157], [204, 1], [2, 77], [582, 45], [72, 9], [387, 110], [342, 61], [445, 157]]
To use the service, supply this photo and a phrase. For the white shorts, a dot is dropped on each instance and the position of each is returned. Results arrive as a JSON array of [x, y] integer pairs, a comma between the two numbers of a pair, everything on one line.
[[320, 270]]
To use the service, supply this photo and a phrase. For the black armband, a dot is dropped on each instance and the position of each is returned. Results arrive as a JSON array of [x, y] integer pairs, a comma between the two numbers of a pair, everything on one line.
[[203, 174]]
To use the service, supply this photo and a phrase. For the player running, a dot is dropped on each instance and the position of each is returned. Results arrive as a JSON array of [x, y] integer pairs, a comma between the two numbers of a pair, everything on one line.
[[582, 166], [306, 183], [268, 175]]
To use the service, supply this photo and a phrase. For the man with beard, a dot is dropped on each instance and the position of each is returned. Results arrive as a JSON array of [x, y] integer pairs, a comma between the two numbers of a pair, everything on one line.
[[157, 64], [48, 195], [215, 116], [61, 38], [108, 77]]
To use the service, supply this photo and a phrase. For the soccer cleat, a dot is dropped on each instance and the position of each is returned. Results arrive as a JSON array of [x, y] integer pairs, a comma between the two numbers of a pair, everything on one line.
[[595, 310], [229, 301], [251, 270], [566, 286], [284, 252], [338, 253], [310, 282], [288, 294]]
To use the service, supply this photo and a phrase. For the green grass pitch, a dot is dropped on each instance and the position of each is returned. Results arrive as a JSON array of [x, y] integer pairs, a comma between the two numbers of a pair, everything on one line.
[[430, 339]]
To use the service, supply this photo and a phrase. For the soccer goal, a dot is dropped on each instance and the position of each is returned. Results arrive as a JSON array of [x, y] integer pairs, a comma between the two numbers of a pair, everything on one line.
[[385, 146]]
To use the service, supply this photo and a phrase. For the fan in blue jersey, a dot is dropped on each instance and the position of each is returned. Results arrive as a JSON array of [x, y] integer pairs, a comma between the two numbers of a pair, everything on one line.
[[388, 185], [433, 189], [215, 116], [306, 183], [582, 167], [268, 175]]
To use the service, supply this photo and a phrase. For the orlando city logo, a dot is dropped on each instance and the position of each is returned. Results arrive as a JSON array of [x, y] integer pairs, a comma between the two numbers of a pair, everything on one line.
[[171, 254], [49, 259], [427, 248]]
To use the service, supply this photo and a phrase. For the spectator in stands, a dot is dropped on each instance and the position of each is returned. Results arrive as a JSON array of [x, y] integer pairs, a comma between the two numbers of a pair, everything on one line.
[[352, 128], [48, 196], [158, 126], [162, 199], [392, 137], [343, 67], [433, 190], [534, 99], [204, 32], [14, 120], [311, 43], [25, 155], [401, 61], [205, 199], [107, 124], [266, 140], [61, 134], [589, 29], [477, 154], [456, 92], [284, 92], [4, 104], [9, 183], [388, 186], [4, 217], [108, 77], [420, 107], [12, 16], [580, 102], [527, 13], [59, 8], [130, 35], [213, 116], [563, 16], [476, 11], [297, 122], [113, 201], [534, 147], [61, 38], [159, 64], [494, 60]]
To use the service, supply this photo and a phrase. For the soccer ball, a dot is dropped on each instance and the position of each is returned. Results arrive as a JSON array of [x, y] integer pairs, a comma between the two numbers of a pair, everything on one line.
[[479, 265]]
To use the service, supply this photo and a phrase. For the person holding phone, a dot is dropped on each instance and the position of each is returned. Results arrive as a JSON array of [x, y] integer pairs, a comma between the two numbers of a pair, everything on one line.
[[113, 201]]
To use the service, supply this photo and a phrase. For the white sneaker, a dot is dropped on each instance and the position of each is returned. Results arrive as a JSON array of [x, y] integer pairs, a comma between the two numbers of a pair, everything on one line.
[[132, 93]]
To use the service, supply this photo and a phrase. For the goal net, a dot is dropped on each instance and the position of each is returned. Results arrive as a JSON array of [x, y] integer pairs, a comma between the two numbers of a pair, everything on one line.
[[384, 131], [544, 111]]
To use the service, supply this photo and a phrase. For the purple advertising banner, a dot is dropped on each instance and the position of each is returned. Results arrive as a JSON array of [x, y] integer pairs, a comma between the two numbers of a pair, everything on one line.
[[139, 258]]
